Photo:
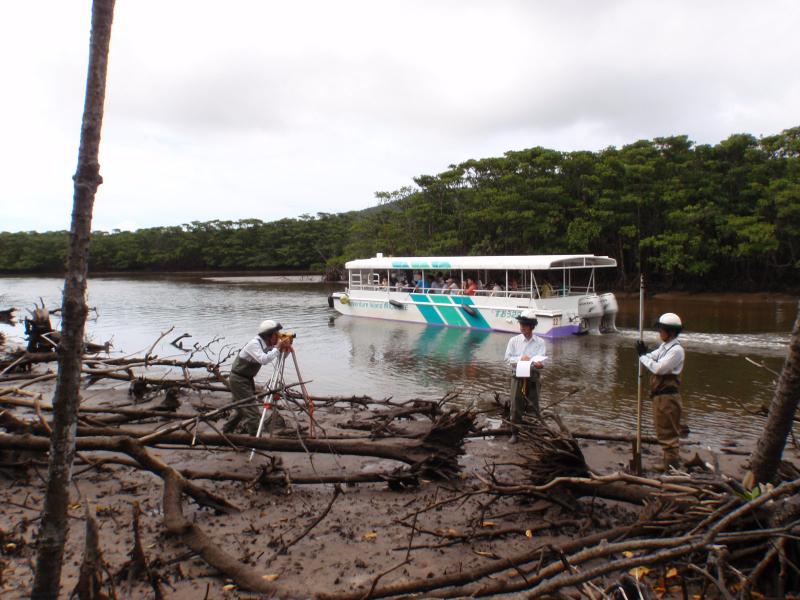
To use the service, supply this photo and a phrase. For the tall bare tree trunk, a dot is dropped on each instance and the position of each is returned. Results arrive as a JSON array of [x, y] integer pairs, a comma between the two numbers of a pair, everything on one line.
[[766, 457], [54, 523]]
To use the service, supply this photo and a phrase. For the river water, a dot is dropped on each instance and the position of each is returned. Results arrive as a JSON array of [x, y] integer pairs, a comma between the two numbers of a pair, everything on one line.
[[346, 356]]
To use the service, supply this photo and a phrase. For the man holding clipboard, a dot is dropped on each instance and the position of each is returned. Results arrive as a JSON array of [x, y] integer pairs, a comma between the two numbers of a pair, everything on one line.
[[526, 353]]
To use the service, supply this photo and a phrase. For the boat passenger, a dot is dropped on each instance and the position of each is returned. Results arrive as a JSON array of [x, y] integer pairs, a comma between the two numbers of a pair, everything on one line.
[[261, 350], [496, 289], [547, 289], [421, 283], [436, 285], [666, 365], [471, 287], [525, 390]]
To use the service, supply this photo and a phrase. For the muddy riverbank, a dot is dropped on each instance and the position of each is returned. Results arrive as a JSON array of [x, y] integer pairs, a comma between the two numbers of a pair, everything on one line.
[[365, 533]]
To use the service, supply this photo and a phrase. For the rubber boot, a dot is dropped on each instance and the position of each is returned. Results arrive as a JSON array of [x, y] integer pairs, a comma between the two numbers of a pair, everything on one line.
[[232, 423]]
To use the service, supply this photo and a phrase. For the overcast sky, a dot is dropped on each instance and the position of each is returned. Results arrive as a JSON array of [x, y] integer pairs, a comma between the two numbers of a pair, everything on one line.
[[256, 109]]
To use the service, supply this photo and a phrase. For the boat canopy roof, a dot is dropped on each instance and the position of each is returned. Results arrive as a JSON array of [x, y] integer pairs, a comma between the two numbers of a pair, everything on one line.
[[542, 262]]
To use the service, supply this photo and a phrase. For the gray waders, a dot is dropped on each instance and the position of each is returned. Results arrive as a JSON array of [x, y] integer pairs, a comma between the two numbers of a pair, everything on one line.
[[243, 385]]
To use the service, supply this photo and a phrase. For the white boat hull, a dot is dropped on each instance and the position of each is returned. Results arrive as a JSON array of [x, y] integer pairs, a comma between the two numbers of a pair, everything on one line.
[[557, 317]]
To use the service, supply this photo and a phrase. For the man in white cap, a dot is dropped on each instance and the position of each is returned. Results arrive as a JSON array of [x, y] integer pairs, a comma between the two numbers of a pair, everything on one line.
[[666, 364], [525, 347], [261, 350]]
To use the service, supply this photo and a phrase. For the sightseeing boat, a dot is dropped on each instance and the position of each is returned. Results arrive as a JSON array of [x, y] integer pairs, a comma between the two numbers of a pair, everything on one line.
[[481, 292]]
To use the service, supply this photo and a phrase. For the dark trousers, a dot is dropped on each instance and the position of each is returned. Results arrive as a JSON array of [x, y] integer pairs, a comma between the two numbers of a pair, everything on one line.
[[249, 414], [525, 395]]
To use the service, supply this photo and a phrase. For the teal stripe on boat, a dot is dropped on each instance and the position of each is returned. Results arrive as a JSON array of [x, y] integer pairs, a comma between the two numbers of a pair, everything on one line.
[[477, 321], [428, 311], [450, 313]]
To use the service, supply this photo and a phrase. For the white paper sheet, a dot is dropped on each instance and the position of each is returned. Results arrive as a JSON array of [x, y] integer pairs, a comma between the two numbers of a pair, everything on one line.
[[524, 366]]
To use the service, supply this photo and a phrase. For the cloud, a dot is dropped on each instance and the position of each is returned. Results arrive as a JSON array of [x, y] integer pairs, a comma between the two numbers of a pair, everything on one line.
[[269, 110]]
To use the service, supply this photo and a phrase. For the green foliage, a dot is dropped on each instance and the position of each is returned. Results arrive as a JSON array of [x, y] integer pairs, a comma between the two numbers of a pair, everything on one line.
[[690, 216]]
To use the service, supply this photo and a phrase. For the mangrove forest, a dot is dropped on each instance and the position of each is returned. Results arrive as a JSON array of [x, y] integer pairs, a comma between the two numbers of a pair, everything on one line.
[[690, 216]]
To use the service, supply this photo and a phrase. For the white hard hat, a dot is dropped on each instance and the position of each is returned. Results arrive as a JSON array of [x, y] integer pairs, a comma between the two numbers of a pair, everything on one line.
[[269, 327], [670, 321], [528, 317]]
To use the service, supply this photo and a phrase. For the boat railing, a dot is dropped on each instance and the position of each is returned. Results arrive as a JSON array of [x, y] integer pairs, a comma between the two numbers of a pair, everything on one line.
[[521, 292], [577, 290]]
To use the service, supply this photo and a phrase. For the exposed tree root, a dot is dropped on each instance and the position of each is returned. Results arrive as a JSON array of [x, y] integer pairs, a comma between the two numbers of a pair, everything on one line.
[[194, 537], [90, 580], [138, 566]]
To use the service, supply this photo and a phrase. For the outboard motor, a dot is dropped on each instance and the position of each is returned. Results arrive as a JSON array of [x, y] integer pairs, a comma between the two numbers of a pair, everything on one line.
[[610, 308], [591, 313]]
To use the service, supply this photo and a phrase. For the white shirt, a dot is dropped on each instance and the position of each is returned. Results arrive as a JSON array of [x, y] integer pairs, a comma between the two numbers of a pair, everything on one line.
[[519, 346], [257, 351], [666, 359]]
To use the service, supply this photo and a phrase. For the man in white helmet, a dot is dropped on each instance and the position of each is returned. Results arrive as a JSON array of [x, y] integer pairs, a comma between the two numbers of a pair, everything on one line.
[[523, 347], [261, 350], [666, 364]]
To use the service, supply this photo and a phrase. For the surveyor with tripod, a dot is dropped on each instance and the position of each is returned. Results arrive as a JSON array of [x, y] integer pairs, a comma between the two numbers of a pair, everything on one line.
[[263, 349]]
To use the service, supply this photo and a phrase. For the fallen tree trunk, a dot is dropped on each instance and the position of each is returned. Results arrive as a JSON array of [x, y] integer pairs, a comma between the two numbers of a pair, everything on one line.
[[131, 413], [195, 384], [125, 445], [265, 477], [194, 537], [434, 453], [29, 358], [581, 435]]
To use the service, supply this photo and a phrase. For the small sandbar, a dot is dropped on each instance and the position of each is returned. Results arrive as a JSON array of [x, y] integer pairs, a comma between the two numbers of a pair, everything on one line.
[[267, 279]]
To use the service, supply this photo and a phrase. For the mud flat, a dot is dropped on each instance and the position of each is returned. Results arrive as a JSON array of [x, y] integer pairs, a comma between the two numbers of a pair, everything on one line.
[[327, 540]]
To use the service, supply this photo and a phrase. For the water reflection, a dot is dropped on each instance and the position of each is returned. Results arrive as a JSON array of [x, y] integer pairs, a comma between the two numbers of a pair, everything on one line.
[[380, 358]]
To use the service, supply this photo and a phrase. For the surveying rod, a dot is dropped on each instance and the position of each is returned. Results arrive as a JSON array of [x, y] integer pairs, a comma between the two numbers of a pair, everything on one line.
[[636, 463]]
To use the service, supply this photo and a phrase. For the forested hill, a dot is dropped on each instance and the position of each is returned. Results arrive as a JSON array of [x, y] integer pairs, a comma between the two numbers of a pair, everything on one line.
[[698, 217]]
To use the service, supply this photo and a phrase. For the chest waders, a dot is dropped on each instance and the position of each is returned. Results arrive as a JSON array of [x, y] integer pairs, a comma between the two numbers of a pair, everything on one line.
[[243, 385], [245, 368], [664, 384], [667, 409]]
